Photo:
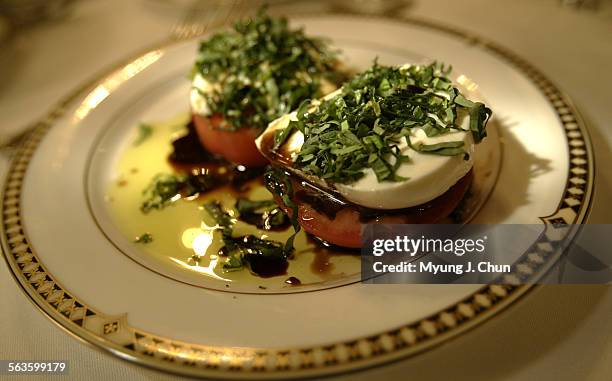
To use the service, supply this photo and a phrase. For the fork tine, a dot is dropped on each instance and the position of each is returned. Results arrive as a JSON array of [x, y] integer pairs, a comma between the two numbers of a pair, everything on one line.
[[196, 20]]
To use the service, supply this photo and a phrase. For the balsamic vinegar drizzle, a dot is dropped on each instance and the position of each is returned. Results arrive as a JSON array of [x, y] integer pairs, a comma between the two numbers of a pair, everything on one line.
[[202, 172], [329, 203], [323, 251], [256, 260], [197, 172], [293, 281], [205, 170], [266, 214], [266, 220], [187, 151]]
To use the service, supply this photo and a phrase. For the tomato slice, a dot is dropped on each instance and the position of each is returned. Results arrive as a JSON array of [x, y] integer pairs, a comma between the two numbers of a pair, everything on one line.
[[235, 146], [344, 229]]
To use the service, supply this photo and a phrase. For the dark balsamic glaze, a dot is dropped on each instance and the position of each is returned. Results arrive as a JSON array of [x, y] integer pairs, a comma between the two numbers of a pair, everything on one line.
[[293, 281], [330, 248], [205, 171], [269, 221], [328, 202], [323, 251], [258, 263], [223, 252], [278, 156], [262, 265], [325, 201], [320, 199], [188, 152], [266, 267]]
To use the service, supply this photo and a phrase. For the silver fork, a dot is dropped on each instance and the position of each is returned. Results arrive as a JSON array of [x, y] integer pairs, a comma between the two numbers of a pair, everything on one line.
[[199, 18]]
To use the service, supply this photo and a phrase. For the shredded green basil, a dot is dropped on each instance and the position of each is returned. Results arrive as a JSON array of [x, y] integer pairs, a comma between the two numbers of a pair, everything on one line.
[[166, 188], [160, 192], [362, 127], [264, 214], [144, 132], [263, 70], [144, 238], [279, 184], [224, 220], [245, 250]]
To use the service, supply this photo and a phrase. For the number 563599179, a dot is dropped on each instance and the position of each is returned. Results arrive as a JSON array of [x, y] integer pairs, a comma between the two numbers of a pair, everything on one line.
[[33, 366]]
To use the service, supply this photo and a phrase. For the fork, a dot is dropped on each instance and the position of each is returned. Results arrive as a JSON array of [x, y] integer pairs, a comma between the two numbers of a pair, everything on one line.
[[199, 18]]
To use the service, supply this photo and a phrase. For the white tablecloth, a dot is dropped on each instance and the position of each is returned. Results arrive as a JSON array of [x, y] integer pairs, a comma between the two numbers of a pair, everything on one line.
[[555, 333]]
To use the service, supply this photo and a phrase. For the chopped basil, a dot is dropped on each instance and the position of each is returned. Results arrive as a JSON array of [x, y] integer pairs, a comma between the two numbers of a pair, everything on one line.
[[279, 184], [224, 220], [444, 149], [263, 70], [160, 192], [144, 132], [265, 214], [233, 262], [144, 238], [262, 256], [244, 205], [364, 125], [166, 188]]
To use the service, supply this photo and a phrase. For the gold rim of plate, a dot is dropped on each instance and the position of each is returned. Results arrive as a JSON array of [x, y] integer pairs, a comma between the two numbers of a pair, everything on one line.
[[113, 334]]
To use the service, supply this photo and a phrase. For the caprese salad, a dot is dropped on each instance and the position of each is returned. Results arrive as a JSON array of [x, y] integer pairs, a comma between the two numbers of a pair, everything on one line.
[[392, 145], [247, 77]]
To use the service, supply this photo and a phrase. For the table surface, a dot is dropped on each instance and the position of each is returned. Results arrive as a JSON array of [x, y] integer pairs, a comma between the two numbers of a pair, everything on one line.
[[555, 333]]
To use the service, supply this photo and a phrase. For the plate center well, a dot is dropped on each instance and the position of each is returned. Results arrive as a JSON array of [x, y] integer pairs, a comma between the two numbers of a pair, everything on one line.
[[180, 241]]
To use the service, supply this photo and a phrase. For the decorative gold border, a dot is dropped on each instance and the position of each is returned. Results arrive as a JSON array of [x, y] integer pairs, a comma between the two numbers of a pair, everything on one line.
[[112, 333]]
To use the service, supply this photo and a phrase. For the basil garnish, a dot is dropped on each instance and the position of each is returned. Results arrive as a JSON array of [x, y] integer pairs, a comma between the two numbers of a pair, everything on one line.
[[264, 214], [262, 256], [363, 126], [263, 70], [144, 238]]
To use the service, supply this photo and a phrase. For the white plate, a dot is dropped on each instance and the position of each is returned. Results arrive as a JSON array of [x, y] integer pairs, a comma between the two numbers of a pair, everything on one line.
[[64, 261]]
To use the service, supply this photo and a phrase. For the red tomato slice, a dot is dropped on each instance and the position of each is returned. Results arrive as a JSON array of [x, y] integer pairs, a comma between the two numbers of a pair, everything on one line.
[[235, 146], [345, 228]]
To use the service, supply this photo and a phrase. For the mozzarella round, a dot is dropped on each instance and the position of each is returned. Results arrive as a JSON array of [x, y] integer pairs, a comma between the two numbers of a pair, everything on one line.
[[199, 86], [428, 175]]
